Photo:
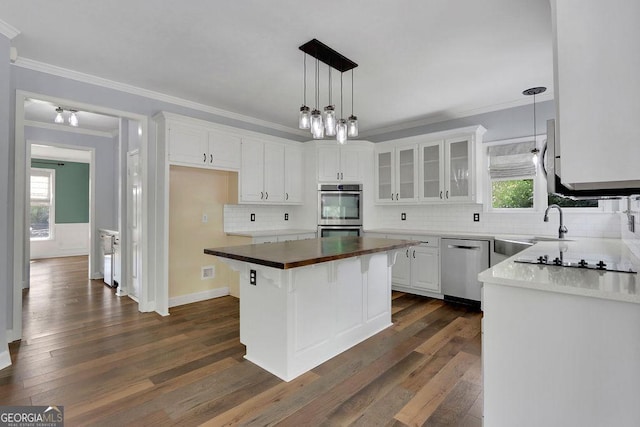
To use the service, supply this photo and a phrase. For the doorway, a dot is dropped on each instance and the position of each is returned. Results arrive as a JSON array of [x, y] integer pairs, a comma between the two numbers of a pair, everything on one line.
[[21, 241]]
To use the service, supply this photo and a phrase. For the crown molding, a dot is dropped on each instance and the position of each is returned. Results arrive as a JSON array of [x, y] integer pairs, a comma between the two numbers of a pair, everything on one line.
[[134, 90], [7, 30], [65, 128], [443, 117]]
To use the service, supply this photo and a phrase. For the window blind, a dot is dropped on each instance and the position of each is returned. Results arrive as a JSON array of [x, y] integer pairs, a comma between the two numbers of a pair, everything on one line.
[[511, 160]]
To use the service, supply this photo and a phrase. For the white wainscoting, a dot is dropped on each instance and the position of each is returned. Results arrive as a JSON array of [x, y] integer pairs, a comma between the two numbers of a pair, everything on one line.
[[68, 240]]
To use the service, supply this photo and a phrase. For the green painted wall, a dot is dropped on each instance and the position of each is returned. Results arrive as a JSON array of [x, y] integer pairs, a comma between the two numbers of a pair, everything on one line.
[[72, 190]]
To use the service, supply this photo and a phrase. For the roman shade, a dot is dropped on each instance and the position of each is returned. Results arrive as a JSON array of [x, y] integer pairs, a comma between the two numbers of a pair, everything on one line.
[[511, 160]]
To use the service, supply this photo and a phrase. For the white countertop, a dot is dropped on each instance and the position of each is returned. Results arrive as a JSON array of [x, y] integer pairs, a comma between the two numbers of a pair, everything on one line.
[[575, 281], [422, 232], [263, 233], [108, 231]]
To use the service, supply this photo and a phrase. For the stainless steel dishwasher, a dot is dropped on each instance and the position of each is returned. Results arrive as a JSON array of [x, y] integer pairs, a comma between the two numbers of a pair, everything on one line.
[[462, 260]]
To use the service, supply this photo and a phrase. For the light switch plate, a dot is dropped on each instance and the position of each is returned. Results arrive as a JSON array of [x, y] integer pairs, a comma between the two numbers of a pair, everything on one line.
[[476, 217], [286, 217], [253, 217], [403, 216]]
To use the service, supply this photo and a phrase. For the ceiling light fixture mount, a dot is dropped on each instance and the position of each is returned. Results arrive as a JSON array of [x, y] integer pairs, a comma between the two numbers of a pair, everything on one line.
[[328, 125], [73, 117]]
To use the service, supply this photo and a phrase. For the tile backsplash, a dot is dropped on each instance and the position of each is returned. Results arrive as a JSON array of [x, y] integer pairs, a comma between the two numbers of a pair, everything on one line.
[[238, 217], [460, 218]]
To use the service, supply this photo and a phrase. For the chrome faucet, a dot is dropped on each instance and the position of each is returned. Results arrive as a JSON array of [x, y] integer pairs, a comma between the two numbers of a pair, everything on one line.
[[562, 230]]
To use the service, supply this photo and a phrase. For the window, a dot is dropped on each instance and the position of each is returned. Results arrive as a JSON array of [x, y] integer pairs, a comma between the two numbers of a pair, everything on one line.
[[512, 175], [42, 209], [565, 202]]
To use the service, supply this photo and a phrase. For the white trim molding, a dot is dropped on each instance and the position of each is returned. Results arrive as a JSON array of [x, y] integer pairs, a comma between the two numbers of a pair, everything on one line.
[[7, 30], [134, 90], [56, 127], [198, 296]]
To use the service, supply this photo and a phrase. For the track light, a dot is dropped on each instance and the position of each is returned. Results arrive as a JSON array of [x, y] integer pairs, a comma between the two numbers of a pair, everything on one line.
[[73, 117]]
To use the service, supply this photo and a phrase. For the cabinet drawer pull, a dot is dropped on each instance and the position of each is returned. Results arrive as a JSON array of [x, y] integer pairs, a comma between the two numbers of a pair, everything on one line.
[[205, 158], [211, 155], [267, 193], [261, 195], [441, 194]]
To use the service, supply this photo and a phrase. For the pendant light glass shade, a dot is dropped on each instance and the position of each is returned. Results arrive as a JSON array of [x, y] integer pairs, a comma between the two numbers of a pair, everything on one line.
[[73, 119], [304, 121], [317, 127], [341, 131], [330, 120], [59, 119], [352, 126]]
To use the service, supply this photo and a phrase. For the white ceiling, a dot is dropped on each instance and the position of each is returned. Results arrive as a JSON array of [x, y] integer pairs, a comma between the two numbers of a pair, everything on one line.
[[420, 61]]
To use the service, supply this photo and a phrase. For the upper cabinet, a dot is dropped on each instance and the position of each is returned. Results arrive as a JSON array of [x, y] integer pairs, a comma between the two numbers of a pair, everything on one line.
[[397, 169], [597, 91], [192, 143], [271, 172], [337, 163], [435, 168]]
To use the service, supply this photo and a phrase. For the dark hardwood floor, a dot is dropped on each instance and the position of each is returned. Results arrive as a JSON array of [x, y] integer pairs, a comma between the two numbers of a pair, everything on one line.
[[108, 364]]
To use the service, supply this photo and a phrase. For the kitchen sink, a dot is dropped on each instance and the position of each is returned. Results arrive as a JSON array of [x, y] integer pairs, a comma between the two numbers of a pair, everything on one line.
[[510, 246]]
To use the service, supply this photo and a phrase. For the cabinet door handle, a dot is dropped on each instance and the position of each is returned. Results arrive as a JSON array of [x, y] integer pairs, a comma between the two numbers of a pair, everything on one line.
[[261, 195], [337, 175], [205, 158], [397, 197], [286, 197], [407, 253], [341, 175], [211, 157], [267, 193], [414, 253], [441, 194]]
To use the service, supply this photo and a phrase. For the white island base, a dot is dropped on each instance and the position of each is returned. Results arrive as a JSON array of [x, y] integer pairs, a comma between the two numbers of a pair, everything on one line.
[[292, 320]]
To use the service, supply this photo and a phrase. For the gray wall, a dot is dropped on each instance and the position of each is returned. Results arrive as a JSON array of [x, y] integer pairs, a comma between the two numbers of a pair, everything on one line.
[[6, 290], [503, 124]]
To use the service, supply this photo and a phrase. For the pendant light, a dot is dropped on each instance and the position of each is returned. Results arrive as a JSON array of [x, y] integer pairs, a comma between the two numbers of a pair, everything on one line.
[[304, 121], [317, 127], [330, 113], [321, 124], [534, 91], [59, 119], [352, 122], [341, 127]]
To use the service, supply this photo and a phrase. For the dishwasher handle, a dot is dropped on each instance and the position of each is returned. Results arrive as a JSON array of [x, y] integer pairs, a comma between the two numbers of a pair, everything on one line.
[[470, 248]]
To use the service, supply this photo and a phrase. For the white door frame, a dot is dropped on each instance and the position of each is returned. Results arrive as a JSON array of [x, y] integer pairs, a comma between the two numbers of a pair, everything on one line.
[[21, 231]]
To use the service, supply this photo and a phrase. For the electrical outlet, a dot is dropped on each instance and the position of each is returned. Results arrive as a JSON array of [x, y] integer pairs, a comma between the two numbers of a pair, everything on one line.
[[286, 217], [476, 217], [403, 216], [253, 217], [252, 277], [205, 218]]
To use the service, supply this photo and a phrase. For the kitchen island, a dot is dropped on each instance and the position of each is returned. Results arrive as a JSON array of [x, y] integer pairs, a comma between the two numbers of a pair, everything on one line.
[[303, 302], [561, 344]]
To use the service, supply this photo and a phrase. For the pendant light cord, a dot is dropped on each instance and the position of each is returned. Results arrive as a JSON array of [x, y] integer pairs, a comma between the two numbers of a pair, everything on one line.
[[352, 91], [341, 94], [534, 120], [330, 87], [304, 81]]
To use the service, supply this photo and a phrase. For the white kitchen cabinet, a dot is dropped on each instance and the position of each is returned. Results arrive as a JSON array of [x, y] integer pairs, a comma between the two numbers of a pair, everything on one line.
[[435, 168], [396, 170], [417, 268], [192, 144], [597, 92], [294, 174], [340, 163], [262, 173]]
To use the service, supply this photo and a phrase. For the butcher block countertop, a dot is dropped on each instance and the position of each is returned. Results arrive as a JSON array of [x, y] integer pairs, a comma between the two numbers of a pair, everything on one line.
[[299, 253]]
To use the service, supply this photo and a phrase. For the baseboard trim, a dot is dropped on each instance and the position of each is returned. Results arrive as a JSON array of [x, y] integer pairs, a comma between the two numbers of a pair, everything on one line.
[[5, 359], [198, 296], [61, 254], [98, 275]]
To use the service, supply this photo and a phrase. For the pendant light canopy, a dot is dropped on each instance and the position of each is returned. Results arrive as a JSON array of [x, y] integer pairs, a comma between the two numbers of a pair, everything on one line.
[[327, 123], [529, 92]]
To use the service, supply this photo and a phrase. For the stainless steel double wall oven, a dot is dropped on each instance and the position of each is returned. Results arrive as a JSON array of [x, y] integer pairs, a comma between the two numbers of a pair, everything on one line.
[[339, 210]]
